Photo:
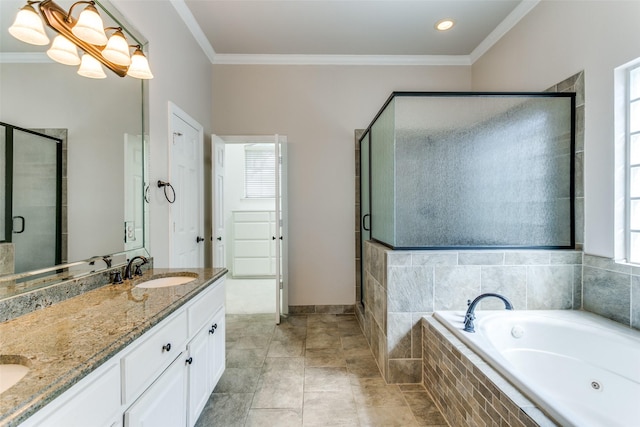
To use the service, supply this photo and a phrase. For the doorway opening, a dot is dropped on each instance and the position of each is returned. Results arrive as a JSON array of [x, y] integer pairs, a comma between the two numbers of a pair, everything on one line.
[[250, 222]]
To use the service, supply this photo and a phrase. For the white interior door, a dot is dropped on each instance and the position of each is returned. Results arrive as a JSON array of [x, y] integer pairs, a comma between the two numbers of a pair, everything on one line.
[[186, 211], [219, 236], [282, 287], [133, 192]]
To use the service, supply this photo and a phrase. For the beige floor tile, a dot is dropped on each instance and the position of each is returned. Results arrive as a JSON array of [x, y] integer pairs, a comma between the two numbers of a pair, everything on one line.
[[246, 358], [274, 418], [325, 409], [323, 339], [385, 417], [279, 391], [292, 348], [379, 396], [424, 410], [329, 357], [326, 379], [363, 366], [311, 370], [225, 409]]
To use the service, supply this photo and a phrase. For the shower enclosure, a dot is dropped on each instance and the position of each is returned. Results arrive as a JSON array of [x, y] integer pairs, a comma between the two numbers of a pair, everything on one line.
[[31, 196], [469, 171]]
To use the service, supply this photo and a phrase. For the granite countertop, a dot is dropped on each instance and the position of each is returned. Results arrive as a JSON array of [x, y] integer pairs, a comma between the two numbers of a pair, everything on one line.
[[63, 343]]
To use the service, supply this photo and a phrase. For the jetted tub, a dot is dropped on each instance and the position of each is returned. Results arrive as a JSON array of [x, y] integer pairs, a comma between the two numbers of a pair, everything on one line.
[[581, 369]]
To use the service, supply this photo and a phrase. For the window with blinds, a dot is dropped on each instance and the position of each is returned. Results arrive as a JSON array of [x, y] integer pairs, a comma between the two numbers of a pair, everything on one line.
[[259, 171]]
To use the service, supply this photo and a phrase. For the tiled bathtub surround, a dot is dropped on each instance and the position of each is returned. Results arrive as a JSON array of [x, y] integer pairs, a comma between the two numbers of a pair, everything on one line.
[[466, 389], [402, 286], [611, 290]]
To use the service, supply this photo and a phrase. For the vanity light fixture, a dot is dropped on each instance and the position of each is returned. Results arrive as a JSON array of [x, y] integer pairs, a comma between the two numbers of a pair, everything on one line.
[[63, 51], [87, 32], [445, 24], [90, 67]]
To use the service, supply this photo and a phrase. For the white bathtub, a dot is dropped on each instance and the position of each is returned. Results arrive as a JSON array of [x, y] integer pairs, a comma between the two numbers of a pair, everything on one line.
[[582, 370]]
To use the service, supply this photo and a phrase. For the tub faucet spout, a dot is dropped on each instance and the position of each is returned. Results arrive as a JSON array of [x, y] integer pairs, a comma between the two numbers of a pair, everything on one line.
[[470, 316]]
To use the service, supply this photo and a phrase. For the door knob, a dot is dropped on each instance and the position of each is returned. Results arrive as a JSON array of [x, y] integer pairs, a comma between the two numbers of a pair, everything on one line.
[[219, 239], [199, 239]]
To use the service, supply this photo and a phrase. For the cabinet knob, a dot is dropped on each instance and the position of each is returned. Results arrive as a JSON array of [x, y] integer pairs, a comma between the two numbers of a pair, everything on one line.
[[166, 347], [189, 360]]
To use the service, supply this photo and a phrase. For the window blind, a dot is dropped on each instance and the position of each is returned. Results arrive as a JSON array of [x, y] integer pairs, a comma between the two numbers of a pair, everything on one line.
[[259, 172]]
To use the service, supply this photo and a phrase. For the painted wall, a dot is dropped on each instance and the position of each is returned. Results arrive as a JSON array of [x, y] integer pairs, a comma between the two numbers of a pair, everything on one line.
[[318, 108], [556, 40], [182, 75]]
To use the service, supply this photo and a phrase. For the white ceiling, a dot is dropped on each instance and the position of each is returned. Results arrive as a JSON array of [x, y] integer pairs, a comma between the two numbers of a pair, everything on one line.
[[333, 31], [348, 30]]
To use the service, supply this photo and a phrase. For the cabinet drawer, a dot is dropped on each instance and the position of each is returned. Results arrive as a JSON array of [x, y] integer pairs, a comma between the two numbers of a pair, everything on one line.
[[145, 362], [205, 306]]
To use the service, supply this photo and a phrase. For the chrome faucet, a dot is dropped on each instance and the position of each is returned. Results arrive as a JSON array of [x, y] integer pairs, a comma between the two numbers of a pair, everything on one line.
[[471, 316], [137, 272]]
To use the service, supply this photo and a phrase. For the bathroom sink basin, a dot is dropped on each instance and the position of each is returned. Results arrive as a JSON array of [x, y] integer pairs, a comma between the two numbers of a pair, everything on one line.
[[164, 282], [11, 371]]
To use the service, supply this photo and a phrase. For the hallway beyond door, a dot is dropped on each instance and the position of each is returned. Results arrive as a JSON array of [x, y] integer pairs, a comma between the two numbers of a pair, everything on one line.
[[250, 296]]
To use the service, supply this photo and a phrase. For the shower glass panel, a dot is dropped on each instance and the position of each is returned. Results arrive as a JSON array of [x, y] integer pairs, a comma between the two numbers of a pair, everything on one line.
[[383, 215], [34, 219], [473, 171]]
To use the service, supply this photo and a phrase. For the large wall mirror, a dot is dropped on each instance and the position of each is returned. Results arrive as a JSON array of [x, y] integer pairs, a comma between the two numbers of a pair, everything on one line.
[[100, 125]]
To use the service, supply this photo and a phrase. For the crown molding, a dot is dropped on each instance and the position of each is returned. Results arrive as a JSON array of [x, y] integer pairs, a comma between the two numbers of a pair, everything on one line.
[[24, 58], [503, 28], [181, 7], [238, 59]]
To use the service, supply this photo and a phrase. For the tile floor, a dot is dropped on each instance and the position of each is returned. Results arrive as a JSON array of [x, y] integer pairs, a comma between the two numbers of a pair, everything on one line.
[[313, 370]]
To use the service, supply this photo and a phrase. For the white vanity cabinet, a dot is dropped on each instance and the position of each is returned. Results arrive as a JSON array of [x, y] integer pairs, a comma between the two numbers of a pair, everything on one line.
[[94, 401], [164, 403], [163, 378]]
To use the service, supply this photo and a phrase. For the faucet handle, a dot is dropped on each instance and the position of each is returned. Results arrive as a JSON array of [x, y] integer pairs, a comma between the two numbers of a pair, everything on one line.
[[117, 277], [138, 271]]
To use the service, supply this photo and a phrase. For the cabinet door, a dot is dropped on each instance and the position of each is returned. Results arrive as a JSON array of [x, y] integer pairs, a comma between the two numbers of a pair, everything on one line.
[[95, 402], [200, 359], [164, 403], [218, 348]]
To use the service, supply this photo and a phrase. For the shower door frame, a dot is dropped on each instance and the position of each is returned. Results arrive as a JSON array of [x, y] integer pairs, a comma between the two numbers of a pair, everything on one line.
[[9, 150]]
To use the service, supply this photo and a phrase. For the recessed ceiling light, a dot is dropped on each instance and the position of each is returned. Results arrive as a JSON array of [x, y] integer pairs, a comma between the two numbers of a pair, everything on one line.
[[444, 24]]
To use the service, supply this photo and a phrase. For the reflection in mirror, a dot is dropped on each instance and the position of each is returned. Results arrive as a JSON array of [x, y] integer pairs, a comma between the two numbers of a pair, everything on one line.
[[101, 128]]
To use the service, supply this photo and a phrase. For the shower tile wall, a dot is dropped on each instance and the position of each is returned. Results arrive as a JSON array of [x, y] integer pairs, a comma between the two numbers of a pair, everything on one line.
[[611, 290], [403, 286], [6, 258]]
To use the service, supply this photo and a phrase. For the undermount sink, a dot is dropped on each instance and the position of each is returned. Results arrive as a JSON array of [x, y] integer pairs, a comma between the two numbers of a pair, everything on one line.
[[164, 282], [12, 370]]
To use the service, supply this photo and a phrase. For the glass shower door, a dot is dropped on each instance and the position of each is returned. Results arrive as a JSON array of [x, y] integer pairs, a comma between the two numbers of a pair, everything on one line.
[[35, 200]]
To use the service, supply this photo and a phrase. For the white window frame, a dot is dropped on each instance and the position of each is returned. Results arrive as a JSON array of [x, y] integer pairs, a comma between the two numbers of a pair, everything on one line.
[[623, 232], [258, 192]]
